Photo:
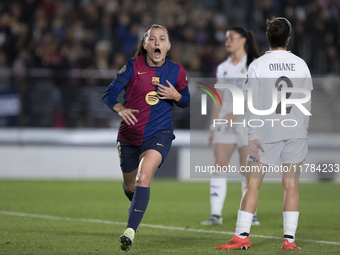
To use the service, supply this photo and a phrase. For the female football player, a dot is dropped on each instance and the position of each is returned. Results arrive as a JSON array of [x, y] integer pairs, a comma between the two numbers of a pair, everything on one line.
[[152, 85], [273, 145], [241, 45]]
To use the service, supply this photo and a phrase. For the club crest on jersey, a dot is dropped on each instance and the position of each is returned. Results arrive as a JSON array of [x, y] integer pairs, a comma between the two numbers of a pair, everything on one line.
[[243, 70], [152, 98], [155, 80]]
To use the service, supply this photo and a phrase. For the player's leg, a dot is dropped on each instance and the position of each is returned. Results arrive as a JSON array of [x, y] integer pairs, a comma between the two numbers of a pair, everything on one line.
[[218, 184], [247, 208], [129, 180], [128, 156], [292, 156], [243, 152], [290, 182], [149, 162], [249, 199]]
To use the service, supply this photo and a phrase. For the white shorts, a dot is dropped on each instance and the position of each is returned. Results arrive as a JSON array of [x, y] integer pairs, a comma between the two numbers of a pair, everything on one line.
[[289, 151], [231, 135]]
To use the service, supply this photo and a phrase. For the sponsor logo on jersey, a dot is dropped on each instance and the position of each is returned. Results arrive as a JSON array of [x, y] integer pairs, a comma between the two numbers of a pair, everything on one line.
[[141, 72], [155, 80], [152, 98]]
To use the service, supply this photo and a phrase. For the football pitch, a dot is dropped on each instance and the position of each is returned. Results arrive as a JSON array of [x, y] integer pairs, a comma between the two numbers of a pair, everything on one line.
[[87, 217]]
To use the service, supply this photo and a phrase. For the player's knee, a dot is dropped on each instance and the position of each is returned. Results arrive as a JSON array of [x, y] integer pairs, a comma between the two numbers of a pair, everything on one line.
[[252, 184], [290, 183], [129, 187], [143, 180]]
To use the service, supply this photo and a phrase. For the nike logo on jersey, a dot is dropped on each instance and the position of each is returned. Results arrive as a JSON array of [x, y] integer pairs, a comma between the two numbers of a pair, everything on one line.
[[138, 210], [141, 73], [160, 144]]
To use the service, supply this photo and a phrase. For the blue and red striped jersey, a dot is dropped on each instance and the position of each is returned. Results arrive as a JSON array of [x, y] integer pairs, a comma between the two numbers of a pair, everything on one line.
[[138, 81]]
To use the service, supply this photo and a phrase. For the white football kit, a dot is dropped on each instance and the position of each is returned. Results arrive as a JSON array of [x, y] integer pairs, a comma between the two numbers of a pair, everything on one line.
[[268, 77], [227, 73]]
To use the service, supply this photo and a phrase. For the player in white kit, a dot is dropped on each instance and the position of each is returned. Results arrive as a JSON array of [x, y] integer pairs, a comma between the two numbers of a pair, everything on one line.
[[275, 142], [241, 45]]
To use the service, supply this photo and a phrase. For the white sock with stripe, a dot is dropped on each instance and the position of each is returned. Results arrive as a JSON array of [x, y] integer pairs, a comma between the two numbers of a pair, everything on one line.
[[290, 223], [243, 223], [218, 191]]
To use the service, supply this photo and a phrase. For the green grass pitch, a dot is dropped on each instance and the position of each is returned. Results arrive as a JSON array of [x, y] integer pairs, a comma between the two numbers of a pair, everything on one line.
[[89, 217]]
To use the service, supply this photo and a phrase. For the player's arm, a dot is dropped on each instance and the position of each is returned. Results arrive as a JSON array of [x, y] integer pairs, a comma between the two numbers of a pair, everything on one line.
[[254, 144], [115, 88], [308, 84]]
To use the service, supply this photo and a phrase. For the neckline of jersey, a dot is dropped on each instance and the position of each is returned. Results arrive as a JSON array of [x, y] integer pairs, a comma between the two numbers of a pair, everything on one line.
[[153, 67], [242, 59], [273, 51]]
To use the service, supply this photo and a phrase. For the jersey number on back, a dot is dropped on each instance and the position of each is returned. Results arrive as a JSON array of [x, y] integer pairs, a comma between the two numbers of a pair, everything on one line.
[[279, 86]]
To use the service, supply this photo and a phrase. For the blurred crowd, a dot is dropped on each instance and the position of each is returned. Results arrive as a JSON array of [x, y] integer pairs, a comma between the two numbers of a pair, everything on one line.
[[102, 34]]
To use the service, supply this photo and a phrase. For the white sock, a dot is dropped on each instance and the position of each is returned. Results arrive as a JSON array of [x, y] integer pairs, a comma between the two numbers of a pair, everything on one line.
[[243, 223], [290, 223], [218, 191], [132, 231]]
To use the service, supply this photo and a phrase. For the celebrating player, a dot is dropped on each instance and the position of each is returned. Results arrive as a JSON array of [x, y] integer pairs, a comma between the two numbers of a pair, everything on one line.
[[271, 144], [152, 85], [241, 45]]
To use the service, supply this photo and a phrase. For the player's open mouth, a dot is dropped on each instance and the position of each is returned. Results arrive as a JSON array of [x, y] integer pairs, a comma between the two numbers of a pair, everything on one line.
[[157, 53]]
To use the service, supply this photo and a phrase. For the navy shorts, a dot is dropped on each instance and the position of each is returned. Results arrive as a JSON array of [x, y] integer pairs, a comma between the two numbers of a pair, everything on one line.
[[129, 154]]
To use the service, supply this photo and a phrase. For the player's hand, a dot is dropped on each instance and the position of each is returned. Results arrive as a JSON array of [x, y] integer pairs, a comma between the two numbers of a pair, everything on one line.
[[253, 148], [128, 115], [211, 138], [168, 92]]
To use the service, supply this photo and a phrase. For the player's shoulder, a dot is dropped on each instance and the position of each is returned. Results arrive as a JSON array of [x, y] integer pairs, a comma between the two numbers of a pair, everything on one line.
[[173, 65], [298, 59], [224, 64]]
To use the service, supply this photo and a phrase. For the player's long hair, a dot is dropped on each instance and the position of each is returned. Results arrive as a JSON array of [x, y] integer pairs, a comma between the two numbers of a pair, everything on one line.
[[140, 48], [278, 31], [250, 46]]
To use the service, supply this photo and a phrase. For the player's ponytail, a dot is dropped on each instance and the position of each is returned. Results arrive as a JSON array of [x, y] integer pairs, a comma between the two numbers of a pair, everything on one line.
[[251, 48], [140, 47]]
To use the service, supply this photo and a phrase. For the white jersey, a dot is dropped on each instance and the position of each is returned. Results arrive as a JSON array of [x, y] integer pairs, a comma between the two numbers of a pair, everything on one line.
[[233, 75], [275, 70]]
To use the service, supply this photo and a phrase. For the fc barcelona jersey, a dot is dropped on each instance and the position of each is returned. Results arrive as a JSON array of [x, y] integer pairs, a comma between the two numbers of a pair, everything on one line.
[[139, 83]]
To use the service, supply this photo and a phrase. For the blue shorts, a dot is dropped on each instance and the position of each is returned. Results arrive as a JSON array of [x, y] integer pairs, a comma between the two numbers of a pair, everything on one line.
[[129, 154]]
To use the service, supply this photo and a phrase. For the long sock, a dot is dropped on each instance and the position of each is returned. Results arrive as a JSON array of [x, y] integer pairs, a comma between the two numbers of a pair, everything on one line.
[[138, 206], [218, 191], [290, 223], [243, 224], [128, 194]]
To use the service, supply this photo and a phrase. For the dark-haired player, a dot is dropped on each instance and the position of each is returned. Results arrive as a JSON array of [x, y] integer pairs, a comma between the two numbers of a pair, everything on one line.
[[273, 145], [241, 45], [152, 85]]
